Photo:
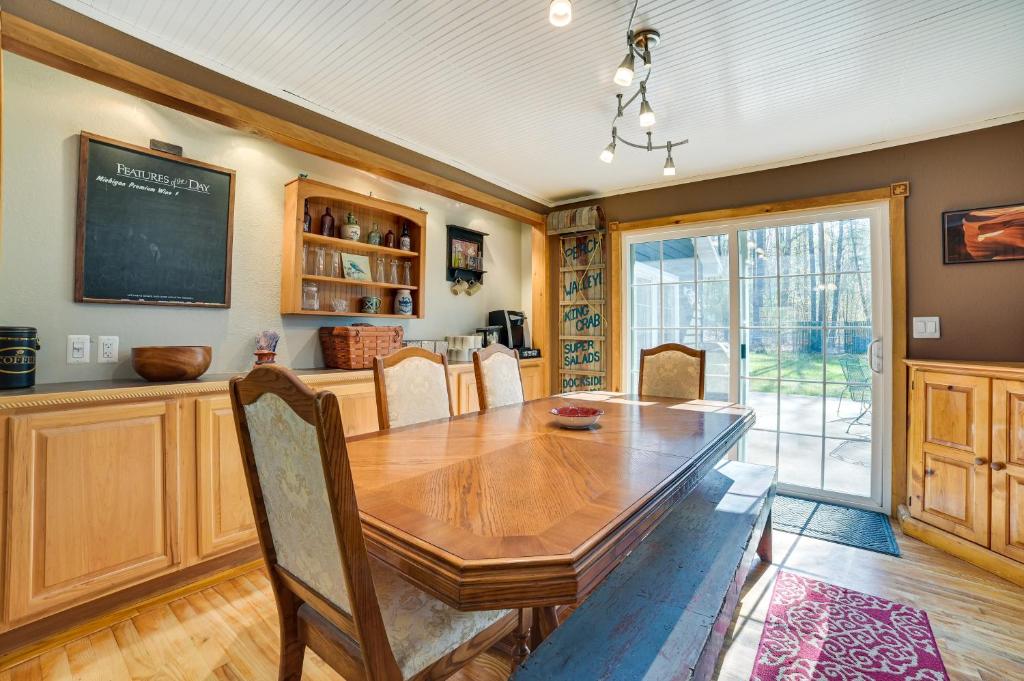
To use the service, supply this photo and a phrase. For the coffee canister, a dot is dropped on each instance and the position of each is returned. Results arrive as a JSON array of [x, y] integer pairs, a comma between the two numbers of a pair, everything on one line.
[[18, 346]]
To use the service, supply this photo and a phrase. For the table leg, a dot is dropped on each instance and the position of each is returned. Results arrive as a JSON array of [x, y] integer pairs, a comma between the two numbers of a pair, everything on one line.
[[520, 649], [764, 547], [545, 621]]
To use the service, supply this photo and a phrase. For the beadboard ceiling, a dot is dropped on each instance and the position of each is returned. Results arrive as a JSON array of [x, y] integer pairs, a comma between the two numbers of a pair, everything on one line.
[[493, 88]]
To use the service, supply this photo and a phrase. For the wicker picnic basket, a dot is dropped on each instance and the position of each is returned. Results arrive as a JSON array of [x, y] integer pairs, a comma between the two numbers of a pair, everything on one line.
[[355, 346]]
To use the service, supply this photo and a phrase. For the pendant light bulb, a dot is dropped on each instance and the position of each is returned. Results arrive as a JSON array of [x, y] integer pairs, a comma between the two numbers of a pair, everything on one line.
[[560, 12], [646, 114], [670, 166], [624, 74], [608, 155]]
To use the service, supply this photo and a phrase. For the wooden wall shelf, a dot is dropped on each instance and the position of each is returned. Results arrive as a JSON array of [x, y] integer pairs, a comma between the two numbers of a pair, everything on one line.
[[368, 211]]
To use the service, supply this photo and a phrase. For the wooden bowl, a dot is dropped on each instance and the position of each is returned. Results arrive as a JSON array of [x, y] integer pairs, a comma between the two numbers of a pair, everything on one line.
[[171, 362]]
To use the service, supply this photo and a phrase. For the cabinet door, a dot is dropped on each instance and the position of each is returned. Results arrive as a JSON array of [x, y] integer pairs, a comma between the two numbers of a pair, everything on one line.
[[1008, 468], [93, 504], [466, 398], [358, 404], [223, 509], [949, 450], [533, 381]]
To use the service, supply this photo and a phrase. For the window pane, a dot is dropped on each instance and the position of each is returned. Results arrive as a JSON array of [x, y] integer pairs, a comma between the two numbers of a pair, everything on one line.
[[848, 467], [800, 249], [713, 257], [759, 447], [801, 301], [683, 336], [758, 252], [759, 304], [679, 264], [716, 388], [642, 340], [848, 245], [800, 355], [801, 408], [762, 354], [848, 356], [680, 302], [848, 299], [848, 410], [713, 303], [645, 262], [763, 398], [715, 343], [800, 460], [645, 306]]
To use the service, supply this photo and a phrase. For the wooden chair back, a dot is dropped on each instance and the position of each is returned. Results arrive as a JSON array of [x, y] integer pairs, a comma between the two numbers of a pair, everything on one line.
[[409, 389], [673, 370], [499, 379], [309, 528]]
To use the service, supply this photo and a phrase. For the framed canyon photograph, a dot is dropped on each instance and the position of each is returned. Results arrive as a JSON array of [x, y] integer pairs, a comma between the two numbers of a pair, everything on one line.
[[983, 234]]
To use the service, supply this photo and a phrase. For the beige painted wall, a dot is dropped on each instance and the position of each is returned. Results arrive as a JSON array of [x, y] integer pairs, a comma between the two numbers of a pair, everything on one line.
[[45, 109]]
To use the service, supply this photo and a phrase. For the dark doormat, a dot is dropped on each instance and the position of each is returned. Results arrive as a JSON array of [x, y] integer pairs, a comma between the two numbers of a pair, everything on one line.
[[868, 530]]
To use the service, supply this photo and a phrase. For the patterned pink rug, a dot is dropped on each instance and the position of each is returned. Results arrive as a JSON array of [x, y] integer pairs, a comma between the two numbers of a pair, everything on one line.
[[817, 631]]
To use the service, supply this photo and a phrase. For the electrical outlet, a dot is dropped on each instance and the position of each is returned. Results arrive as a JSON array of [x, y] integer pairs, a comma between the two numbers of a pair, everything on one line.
[[78, 349], [107, 353]]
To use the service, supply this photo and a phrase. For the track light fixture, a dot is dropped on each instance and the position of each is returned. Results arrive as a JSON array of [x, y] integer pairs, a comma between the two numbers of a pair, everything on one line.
[[639, 45]]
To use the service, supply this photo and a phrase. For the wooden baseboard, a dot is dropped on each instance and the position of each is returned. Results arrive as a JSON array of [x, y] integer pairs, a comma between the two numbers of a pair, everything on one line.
[[33, 639], [986, 559]]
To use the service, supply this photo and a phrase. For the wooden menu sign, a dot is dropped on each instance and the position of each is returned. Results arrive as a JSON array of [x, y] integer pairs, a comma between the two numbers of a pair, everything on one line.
[[152, 228], [582, 299]]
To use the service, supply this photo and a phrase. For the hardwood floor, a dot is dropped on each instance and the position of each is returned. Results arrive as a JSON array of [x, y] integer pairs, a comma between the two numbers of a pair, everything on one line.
[[228, 632]]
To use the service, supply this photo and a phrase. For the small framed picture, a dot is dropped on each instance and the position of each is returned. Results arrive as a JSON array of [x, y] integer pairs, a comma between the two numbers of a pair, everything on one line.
[[355, 267], [983, 234]]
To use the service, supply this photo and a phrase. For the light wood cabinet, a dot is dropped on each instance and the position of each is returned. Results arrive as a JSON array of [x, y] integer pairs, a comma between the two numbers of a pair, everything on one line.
[[965, 448], [1008, 468], [949, 476], [223, 510], [93, 503], [358, 405], [464, 387], [533, 380]]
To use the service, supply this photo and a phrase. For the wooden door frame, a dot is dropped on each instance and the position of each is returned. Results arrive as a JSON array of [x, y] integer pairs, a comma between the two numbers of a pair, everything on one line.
[[896, 195]]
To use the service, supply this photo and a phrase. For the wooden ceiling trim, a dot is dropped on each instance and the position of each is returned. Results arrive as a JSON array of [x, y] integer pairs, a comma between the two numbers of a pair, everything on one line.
[[53, 49]]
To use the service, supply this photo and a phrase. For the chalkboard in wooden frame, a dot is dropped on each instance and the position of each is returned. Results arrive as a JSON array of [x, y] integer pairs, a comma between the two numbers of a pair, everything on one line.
[[152, 228]]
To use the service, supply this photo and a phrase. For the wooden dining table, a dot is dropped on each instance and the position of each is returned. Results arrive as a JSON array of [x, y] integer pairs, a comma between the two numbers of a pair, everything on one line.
[[504, 509]]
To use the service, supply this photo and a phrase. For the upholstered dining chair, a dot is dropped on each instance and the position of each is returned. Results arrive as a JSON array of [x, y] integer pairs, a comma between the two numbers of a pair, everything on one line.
[[672, 370], [356, 613], [498, 379], [412, 387]]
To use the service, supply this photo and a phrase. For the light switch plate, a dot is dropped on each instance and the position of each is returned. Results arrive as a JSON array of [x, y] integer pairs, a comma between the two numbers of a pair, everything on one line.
[[78, 349], [107, 352], [927, 327]]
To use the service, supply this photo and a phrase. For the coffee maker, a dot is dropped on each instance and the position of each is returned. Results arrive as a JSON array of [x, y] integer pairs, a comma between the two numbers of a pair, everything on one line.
[[515, 332]]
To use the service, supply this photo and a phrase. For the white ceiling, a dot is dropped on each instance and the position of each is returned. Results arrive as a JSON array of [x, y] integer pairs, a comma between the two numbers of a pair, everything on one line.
[[491, 87]]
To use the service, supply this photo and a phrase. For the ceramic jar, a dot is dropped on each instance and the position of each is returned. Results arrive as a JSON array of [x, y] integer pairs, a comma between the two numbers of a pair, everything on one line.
[[350, 230], [403, 301]]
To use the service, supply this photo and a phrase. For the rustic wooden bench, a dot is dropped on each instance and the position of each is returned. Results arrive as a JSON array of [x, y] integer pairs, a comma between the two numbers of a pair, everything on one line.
[[664, 612]]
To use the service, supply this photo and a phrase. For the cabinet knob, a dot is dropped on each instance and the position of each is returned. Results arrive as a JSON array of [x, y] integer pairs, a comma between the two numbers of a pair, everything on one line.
[[979, 461], [998, 465], [929, 471]]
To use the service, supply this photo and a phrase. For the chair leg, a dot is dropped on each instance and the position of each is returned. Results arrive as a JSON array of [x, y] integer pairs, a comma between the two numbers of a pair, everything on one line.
[[520, 649], [293, 648]]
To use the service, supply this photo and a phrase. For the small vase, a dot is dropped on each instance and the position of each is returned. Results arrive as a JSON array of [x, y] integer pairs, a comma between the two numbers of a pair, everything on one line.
[[403, 301], [351, 229], [265, 356]]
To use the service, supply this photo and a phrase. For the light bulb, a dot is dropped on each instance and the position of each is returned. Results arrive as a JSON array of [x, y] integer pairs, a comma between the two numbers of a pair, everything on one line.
[[647, 58], [560, 13], [624, 74], [609, 153], [646, 114], [670, 167]]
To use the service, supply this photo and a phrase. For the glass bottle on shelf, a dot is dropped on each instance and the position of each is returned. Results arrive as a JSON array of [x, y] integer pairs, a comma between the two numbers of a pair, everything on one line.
[[389, 239], [307, 219], [380, 269], [336, 269], [305, 259], [405, 241], [407, 273], [320, 263], [327, 222], [374, 237], [393, 279], [310, 296]]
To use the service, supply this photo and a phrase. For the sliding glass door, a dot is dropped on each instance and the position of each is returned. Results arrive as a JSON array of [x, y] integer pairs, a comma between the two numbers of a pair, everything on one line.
[[792, 314]]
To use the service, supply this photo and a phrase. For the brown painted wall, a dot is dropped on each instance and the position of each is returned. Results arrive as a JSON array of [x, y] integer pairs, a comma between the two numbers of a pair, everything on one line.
[[78, 27], [981, 305]]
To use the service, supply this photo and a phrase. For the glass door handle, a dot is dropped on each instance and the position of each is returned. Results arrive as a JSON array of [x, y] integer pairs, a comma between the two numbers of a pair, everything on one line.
[[875, 355]]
